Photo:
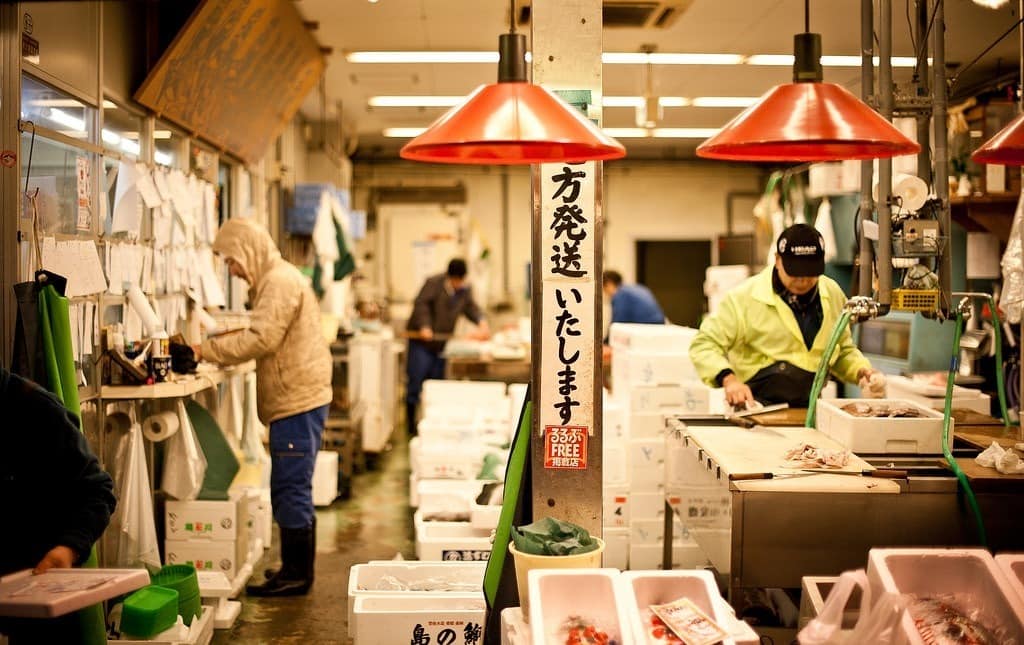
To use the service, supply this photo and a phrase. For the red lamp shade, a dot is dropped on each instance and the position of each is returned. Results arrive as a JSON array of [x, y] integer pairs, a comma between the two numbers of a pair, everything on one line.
[[1006, 148], [807, 121], [512, 123]]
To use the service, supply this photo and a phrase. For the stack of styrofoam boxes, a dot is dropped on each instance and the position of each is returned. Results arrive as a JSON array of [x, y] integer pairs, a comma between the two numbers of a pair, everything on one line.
[[462, 423], [212, 535], [652, 376], [615, 494], [372, 358]]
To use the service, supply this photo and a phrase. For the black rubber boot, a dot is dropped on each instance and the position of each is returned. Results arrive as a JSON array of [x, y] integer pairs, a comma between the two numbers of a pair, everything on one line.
[[295, 576], [270, 573]]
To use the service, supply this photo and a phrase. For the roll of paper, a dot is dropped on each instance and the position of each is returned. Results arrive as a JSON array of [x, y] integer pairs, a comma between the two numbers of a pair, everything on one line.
[[159, 427], [117, 422], [208, 322], [910, 189], [150, 321]]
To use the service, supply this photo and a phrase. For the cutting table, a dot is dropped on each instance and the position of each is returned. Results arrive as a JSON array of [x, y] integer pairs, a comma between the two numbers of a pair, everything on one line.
[[770, 532]]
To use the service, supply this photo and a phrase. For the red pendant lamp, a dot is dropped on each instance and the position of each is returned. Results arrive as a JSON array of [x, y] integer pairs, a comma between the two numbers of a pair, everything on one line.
[[1006, 147], [807, 120], [512, 122]]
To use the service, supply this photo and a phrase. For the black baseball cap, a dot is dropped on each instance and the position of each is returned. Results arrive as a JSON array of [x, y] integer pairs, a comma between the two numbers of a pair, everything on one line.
[[802, 250]]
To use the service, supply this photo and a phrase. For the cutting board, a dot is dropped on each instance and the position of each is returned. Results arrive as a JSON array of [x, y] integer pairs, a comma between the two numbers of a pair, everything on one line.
[[758, 450], [989, 480]]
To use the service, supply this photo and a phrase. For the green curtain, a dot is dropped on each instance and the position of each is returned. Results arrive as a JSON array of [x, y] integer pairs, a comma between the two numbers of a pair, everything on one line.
[[55, 328]]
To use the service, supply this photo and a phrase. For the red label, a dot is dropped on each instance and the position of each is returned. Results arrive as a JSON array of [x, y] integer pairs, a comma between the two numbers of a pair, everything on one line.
[[565, 447], [8, 158]]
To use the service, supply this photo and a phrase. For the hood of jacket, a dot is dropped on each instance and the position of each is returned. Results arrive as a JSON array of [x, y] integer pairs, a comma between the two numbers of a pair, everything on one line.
[[248, 244]]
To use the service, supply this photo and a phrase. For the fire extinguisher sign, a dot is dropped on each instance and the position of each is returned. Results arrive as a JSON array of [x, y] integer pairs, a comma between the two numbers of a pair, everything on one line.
[[565, 447]]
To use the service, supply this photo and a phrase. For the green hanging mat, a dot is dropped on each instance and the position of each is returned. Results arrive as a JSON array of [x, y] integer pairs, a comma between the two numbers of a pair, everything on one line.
[[54, 331], [500, 589], [221, 462]]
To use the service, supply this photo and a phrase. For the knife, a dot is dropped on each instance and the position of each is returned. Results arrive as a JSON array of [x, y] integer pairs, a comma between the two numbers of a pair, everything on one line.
[[882, 473]]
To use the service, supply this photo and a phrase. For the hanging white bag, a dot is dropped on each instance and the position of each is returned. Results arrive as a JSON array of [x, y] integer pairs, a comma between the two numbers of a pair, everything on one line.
[[138, 544], [184, 461]]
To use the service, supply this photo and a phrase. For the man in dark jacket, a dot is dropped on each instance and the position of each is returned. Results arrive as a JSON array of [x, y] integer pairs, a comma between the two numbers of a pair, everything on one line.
[[440, 302], [55, 499]]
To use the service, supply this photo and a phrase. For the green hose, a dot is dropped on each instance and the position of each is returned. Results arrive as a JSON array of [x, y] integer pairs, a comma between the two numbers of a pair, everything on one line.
[[822, 374], [947, 442], [1000, 384]]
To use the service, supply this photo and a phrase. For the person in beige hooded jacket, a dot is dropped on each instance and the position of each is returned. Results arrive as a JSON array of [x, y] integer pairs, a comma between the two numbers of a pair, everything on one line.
[[293, 387]]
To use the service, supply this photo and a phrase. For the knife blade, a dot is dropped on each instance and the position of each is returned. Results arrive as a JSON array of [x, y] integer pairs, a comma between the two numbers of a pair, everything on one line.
[[882, 473]]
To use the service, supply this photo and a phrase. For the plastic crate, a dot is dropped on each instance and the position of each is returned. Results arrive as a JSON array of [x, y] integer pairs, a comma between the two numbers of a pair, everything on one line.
[[915, 299]]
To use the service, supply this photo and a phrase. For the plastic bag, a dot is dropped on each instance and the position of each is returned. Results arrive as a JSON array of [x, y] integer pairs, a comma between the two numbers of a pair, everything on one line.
[[253, 430], [548, 536], [137, 544], [877, 622], [1013, 268], [184, 461]]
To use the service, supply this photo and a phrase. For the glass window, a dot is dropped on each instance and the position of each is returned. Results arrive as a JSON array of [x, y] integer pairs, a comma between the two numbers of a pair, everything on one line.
[[55, 185], [122, 130], [168, 146], [53, 109]]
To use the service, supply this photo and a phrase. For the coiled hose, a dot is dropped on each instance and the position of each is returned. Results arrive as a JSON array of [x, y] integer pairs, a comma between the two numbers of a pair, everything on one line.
[[947, 440], [822, 374]]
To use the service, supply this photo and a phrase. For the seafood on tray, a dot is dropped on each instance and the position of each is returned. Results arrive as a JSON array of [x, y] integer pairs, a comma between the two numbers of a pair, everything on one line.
[[806, 455], [940, 622], [577, 630], [882, 411]]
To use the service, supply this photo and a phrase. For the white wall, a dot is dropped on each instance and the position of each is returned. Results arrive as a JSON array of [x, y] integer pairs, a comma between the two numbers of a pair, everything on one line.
[[643, 200]]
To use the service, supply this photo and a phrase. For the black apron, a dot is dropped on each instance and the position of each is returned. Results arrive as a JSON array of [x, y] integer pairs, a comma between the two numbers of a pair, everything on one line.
[[782, 382]]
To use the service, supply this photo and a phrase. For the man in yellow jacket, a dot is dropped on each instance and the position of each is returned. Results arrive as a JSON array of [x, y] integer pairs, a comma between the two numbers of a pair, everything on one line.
[[293, 387], [766, 340]]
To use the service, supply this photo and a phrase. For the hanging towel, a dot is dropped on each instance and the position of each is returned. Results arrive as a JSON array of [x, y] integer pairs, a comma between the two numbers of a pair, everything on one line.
[[823, 222]]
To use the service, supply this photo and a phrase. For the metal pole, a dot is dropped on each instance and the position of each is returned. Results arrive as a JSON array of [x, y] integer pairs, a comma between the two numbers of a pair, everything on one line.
[[506, 262], [941, 169], [924, 163], [566, 296], [885, 165], [10, 191], [867, 83]]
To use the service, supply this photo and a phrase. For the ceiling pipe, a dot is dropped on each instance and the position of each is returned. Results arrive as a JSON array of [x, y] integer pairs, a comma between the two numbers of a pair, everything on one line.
[[924, 160], [940, 90], [884, 210]]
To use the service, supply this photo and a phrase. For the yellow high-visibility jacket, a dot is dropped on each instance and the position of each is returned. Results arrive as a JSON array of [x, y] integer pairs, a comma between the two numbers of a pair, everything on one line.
[[754, 328]]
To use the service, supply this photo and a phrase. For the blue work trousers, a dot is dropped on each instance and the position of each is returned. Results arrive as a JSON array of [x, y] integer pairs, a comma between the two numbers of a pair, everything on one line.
[[421, 364], [294, 442]]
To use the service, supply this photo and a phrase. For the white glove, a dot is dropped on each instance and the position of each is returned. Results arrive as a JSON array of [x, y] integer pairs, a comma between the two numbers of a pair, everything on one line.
[[872, 385]]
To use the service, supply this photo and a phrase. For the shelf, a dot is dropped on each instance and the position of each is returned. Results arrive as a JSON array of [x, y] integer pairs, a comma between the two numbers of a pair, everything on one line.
[[990, 213], [177, 389]]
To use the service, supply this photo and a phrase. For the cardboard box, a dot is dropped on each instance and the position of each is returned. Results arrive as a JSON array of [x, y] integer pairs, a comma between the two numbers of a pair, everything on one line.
[[868, 435], [209, 520], [207, 555]]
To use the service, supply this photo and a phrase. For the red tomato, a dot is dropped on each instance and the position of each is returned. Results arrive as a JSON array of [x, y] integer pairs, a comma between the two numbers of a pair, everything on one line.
[[658, 632]]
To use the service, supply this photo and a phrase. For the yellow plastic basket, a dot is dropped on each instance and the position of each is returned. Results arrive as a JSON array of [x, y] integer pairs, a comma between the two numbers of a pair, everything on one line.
[[915, 299]]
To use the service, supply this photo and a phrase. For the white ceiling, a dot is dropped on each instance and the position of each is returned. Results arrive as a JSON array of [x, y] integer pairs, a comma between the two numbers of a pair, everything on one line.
[[708, 26]]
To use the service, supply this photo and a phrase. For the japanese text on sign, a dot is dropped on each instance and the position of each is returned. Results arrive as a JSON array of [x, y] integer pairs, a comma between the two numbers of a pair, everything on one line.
[[447, 633]]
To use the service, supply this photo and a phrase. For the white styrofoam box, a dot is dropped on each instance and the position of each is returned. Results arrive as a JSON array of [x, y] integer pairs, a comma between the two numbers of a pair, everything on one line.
[[448, 459], [484, 516], [385, 620], [200, 632], [207, 555], [645, 588], [614, 462], [634, 368], [646, 531], [459, 392], [971, 574], [613, 419], [649, 556], [557, 594], [647, 462], [441, 495], [651, 338], [1012, 567], [901, 387], [646, 506], [514, 628], [616, 506], [616, 547], [648, 425], [325, 478], [206, 519], [411, 579], [266, 518], [874, 435], [451, 541], [689, 397]]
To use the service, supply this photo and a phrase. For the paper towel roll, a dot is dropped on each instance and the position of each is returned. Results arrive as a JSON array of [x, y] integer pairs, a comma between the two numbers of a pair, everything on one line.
[[117, 422], [150, 321], [159, 427], [910, 188], [208, 322]]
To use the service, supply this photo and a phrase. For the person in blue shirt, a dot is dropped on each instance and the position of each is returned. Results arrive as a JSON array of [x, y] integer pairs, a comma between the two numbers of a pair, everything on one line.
[[631, 303]]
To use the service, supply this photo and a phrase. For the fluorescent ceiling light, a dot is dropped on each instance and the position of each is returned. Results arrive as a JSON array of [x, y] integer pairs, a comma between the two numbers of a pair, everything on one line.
[[68, 103], [724, 101], [65, 119], [658, 58], [403, 133], [112, 138], [162, 158], [781, 60], [674, 101], [854, 61], [627, 133], [415, 101], [161, 134], [422, 57], [661, 133], [622, 101]]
